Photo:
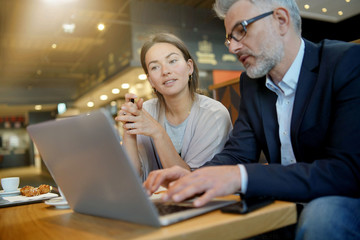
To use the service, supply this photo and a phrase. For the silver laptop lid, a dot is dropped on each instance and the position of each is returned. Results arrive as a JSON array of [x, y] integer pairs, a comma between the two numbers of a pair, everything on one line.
[[85, 158]]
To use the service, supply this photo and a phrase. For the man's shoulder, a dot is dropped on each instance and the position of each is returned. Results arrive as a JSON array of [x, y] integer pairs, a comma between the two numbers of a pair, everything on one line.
[[336, 48], [330, 55], [337, 44]]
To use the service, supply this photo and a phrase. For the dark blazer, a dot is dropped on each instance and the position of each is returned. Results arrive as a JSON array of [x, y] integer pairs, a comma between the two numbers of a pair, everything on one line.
[[325, 129]]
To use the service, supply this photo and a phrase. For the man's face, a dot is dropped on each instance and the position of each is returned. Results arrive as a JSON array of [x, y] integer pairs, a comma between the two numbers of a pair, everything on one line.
[[261, 49]]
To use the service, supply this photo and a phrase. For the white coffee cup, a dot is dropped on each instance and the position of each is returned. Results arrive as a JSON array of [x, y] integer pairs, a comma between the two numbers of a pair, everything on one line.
[[10, 184]]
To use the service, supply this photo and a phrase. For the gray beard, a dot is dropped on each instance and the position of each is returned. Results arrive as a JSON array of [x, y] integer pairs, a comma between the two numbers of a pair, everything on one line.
[[271, 54]]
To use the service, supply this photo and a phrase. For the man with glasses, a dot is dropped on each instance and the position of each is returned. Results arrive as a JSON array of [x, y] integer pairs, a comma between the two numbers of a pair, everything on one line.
[[300, 105]]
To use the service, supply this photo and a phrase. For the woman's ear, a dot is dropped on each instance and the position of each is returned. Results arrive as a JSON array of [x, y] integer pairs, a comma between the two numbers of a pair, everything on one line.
[[190, 64], [283, 20]]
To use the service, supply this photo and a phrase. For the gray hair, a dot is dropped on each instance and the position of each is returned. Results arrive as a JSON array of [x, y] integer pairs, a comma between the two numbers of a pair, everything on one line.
[[221, 7]]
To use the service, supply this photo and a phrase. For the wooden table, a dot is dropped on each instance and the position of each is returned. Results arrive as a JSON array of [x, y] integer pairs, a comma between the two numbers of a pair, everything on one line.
[[40, 221]]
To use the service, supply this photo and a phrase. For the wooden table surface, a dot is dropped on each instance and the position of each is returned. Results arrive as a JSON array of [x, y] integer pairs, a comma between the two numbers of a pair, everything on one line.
[[39, 221]]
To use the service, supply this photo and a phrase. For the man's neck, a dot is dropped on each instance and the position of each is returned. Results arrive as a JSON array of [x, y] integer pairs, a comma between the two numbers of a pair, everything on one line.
[[290, 52]]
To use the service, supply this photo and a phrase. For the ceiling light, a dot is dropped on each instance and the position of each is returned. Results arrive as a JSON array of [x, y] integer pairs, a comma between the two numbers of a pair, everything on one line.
[[125, 86], [103, 97], [113, 103], [54, 45], [101, 27], [340, 13], [306, 6], [324, 10], [69, 27], [38, 107], [142, 76], [90, 104], [61, 108], [115, 91], [347, 1]]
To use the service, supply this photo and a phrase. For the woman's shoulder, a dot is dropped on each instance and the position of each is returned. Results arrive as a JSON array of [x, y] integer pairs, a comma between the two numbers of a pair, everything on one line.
[[152, 106], [151, 103], [209, 103]]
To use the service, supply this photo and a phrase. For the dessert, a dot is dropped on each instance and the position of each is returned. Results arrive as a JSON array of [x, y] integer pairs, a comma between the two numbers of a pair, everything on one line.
[[30, 191], [44, 188]]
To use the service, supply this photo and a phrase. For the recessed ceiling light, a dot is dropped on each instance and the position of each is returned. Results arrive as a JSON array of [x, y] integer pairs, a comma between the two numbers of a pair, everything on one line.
[[306, 6], [125, 86], [324, 10], [54, 45], [115, 91], [101, 27], [38, 107], [113, 103], [68, 27], [103, 97], [347, 1], [90, 104], [340, 13], [142, 76]]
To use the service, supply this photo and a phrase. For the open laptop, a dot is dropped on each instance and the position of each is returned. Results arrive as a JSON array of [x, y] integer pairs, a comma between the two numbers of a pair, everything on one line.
[[85, 158]]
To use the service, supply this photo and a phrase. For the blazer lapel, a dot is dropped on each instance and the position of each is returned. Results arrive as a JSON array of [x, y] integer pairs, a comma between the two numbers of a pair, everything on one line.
[[267, 101], [304, 90]]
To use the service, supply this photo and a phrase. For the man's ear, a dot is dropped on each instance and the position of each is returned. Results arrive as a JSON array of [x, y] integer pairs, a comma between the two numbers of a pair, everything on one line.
[[282, 17]]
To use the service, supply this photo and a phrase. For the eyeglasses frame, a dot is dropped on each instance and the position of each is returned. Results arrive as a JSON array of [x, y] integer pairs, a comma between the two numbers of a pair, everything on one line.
[[244, 24]]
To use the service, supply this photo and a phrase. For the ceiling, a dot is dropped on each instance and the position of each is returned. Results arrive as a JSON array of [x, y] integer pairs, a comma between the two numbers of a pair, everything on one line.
[[34, 71]]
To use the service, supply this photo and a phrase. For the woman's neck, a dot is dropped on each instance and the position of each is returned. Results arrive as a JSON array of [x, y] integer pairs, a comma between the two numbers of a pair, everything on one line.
[[178, 108]]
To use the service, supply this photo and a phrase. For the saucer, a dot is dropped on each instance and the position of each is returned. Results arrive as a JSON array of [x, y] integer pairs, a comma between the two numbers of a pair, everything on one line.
[[58, 202], [7, 194]]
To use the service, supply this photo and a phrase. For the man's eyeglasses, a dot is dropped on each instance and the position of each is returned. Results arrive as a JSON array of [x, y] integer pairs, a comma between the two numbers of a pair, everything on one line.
[[239, 31]]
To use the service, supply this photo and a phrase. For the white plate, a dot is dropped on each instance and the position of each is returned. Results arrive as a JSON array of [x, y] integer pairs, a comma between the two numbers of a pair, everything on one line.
[[7, 194], [58, 202]]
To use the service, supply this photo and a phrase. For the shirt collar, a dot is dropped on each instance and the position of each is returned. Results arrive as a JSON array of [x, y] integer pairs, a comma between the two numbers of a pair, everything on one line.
[[289, 82]]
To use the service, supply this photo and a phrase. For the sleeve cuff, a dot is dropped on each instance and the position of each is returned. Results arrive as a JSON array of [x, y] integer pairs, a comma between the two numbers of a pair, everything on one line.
[[244, 178]]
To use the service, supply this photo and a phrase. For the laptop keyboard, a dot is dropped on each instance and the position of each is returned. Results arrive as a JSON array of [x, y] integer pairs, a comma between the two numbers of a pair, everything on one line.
[[168, 208]]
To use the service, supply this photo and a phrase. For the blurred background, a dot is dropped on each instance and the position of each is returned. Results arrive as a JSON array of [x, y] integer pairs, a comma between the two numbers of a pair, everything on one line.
[[60, 58]]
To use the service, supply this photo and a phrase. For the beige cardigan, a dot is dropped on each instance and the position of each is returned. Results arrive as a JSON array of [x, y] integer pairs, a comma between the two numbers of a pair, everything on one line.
[[205, 135]]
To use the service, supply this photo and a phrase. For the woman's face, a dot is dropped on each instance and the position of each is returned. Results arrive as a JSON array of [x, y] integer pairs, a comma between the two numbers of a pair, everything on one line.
[[168, 72]]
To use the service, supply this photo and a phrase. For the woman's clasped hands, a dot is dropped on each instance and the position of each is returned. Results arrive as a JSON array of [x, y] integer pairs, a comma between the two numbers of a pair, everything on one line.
[[135, 119]]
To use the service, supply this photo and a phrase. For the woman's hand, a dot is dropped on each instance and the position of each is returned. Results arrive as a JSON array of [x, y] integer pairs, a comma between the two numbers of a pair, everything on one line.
[[136, 120], [129, 107]]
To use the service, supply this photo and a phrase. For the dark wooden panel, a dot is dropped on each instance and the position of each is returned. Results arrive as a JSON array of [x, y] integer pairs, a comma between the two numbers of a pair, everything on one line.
[[229, 95]]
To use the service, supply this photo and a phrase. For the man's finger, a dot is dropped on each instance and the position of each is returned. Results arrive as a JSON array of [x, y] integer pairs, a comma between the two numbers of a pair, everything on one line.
[[204, 199]]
